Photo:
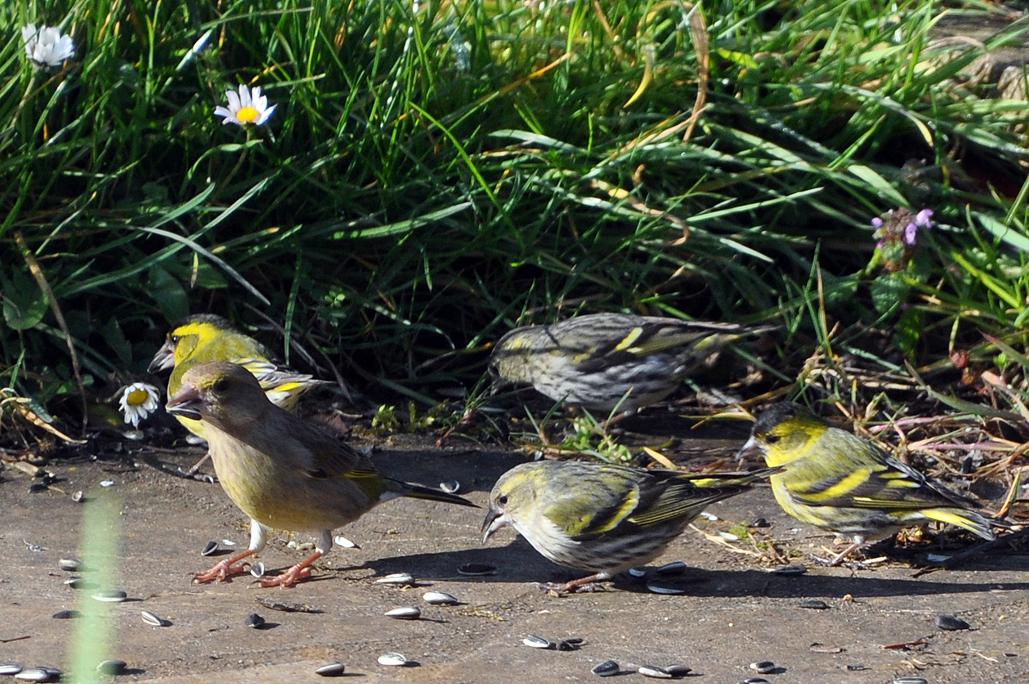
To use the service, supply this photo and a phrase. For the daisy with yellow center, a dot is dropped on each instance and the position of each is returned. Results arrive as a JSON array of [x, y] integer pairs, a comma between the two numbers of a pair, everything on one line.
[[138, 401], [245, 108]]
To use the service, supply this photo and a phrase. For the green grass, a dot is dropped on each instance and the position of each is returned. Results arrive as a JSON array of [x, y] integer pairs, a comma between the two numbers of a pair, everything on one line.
[[432, 178]]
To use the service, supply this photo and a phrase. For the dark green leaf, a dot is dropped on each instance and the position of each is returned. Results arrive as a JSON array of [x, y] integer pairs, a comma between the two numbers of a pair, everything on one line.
[[908, 331], [888, 291], [24, 303], [116, 340], [169, 294]]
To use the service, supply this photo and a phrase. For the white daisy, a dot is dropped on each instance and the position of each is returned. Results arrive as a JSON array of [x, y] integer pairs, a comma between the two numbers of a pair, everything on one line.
[[245, 109], [138, 401], [46, 46]]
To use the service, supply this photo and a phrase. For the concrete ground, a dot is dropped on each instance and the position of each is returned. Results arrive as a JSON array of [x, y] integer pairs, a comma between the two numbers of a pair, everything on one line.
[[733, 611]]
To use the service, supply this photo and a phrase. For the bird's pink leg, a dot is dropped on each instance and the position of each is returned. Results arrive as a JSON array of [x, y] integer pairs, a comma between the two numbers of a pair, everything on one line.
[[583, 584], [227, 568], [844, 554], [294, 575], [224, 569]]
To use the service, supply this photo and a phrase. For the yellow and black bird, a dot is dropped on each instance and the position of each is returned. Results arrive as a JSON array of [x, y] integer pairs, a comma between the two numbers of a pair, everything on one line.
[[603, 518], [837, 481], [609, 361]]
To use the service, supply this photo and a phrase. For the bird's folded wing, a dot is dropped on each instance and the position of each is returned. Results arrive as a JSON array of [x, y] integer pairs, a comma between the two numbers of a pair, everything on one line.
[[868, 478], [587, 511], [273, 377], [324, 456], [670, 495]]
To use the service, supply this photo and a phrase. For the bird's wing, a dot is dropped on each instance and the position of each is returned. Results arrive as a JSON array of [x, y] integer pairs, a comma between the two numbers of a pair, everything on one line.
[[869, 478], [323, 456], [605, 497], [672, 495], [657, 335], [602, 498], [273, 377], [905, 487]]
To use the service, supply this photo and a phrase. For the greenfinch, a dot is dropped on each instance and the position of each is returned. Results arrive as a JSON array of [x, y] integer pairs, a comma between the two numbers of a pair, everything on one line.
[[609, 361], [603, 518], [282, 472], [837, 481], [202, 338]]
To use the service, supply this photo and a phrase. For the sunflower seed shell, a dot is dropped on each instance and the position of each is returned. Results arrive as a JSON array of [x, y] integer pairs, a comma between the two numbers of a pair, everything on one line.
[[608, 668], [331, 670], [392, 659], [404, 613], [399, 578], [533, 641], [439, 598], [152, 619]]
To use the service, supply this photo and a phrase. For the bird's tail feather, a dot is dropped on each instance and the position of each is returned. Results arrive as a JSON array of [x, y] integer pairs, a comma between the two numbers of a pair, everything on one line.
[[716, 480], [417, 491], [969, 520]]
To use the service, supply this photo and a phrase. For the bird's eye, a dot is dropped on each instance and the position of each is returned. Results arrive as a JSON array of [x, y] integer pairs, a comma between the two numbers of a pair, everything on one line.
[[175, 339], [220, 385], [502, 501], [772, 439]]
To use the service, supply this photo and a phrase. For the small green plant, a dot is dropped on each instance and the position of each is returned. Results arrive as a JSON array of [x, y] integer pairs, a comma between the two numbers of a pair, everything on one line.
[[589, 437], [385, 420], [740, 530]]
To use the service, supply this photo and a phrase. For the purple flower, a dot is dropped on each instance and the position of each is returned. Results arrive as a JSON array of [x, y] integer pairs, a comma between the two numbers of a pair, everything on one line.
[[910, 233], [924, 218], [899, 227]]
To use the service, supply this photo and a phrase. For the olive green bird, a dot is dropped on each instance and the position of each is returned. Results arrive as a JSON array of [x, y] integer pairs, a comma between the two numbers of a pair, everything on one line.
[[282, 472], [837, 481], [603, 518], [606, 361], [202, 338]]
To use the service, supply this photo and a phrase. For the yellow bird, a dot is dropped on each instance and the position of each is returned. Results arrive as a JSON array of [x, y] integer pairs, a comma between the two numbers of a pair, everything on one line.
[[281, 471], [202, 338], [836, 481]]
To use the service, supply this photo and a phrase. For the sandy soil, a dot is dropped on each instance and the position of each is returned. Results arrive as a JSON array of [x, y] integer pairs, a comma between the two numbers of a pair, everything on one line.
[[733, 612]]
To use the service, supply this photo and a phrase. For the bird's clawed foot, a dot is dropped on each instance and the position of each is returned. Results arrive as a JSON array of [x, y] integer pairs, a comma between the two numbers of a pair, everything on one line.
[[195, 468], [294, 576], [584, 585], [288, 579], [223, 570]]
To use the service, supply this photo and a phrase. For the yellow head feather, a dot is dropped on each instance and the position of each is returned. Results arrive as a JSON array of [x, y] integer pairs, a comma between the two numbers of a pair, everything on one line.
[[787, 432]]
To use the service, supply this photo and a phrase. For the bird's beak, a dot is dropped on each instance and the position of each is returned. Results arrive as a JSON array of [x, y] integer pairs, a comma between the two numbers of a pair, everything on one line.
[[749, 450], [493, 521], [496, 383], [186, 403], [163, 359]]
